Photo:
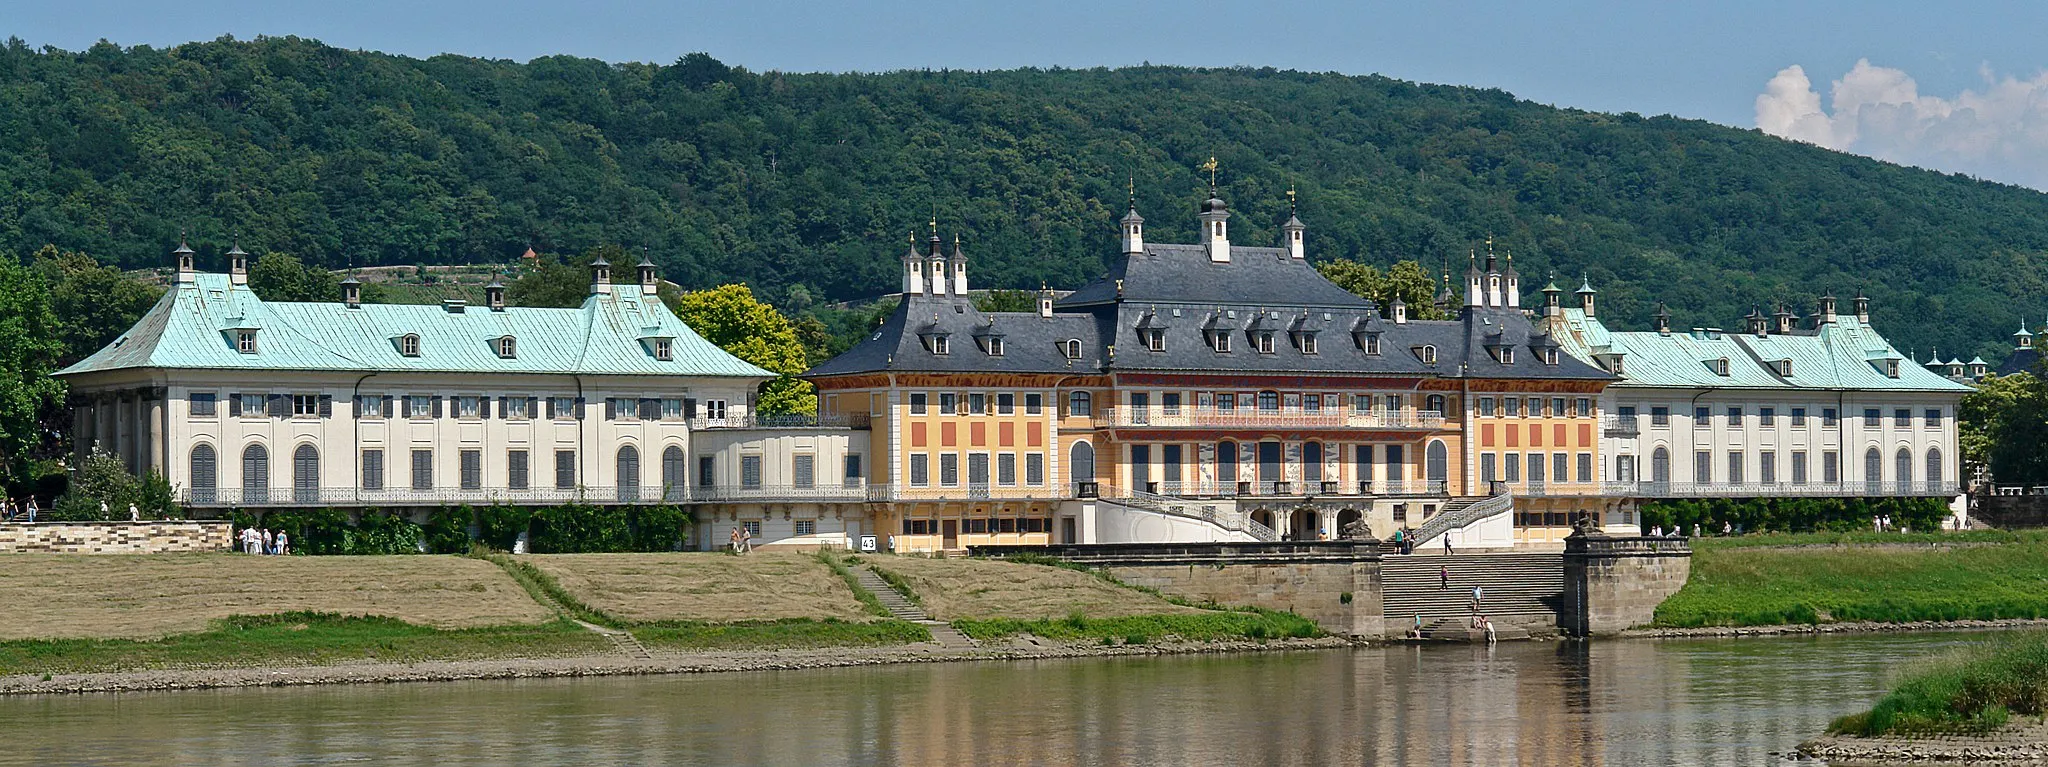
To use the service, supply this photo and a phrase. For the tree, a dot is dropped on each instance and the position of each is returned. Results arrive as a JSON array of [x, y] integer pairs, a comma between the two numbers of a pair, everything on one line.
[[30, 349], [2002, 425], [93, 304], [102, 478], [553, 283], [1406, 279], [1007, 301], [283, 277], [730, 317]]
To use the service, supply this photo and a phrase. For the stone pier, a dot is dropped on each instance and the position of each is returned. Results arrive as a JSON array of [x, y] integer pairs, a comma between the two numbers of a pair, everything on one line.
[[1334, 583], [1614, 583], [115, 537]]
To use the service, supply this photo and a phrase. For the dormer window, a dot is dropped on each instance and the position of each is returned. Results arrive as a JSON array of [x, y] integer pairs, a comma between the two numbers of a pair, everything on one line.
[[995, 346], [1370, 342], [1550, 356], [1427, 354], [507, 348], [1891, 368], [1785, 368], [1307, 341], [942, 345], [1507, 355], [1720, 366], [245, 341], [664, 349], [1220, 342], [1264, 339], [409, 345], [1071, 348], [1155, 339]]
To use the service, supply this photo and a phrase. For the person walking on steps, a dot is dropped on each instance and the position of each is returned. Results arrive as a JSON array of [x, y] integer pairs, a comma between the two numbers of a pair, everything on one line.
[[1447, 545], [1443, 576], [1478, 598]]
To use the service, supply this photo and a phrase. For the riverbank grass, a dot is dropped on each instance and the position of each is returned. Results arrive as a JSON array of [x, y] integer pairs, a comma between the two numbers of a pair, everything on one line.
[[1888, 579], [1978, 689], [297, 639]]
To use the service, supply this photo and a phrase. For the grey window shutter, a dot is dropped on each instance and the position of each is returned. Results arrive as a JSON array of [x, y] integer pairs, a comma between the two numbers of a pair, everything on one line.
[[388, 400], [326, 406], [650, 409], [551, 408], [579, 408], [483, 406], [532, 406], [437, 406], [611, 408], [279, 406], [235, 404], [503, 412], [690, 407]]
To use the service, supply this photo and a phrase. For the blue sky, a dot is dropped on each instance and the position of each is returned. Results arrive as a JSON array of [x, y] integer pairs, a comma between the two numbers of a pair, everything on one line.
[[1710, 62]]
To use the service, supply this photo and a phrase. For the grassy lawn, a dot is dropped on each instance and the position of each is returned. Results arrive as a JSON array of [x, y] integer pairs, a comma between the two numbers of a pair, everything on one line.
[[703, 587], [981, 589], [297, 639], [781, 634], [1864, 577], [1975, 689], [52, 596]]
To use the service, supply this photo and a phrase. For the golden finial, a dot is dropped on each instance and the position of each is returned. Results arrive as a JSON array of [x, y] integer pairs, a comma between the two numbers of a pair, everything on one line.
[[1489, 243], [1131, 189], [1210, 166], [1290, 199]]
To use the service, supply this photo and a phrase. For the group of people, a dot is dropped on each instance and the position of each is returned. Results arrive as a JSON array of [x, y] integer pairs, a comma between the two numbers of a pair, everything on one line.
[[1883, 523], [741, 540], [257, 540], [25, 510]]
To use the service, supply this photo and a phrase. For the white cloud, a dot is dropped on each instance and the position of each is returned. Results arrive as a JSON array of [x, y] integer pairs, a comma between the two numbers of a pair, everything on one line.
[[2000, 132]]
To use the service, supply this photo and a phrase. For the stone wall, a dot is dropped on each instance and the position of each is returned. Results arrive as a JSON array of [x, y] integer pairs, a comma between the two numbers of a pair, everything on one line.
[[2008, 512], [1615, 583], [115, 537], [1334, 583]]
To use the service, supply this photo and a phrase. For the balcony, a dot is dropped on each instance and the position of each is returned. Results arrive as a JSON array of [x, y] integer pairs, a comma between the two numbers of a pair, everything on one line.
[[1620, 426], [1780, 489], [1291, 489], [235, 497], [1162, 417], [793, 421]]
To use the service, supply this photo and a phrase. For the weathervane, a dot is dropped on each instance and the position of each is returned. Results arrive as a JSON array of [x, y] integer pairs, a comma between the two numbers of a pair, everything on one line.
[[1290, 199], [1210, 166]]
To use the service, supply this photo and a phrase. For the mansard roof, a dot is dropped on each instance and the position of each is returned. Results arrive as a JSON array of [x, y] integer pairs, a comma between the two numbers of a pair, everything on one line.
[[1184, 274], [1844, 354], [1031, 344], [608, 335]]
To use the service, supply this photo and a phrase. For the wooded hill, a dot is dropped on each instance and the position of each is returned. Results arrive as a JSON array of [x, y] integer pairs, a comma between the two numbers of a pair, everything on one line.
[[815, 181]]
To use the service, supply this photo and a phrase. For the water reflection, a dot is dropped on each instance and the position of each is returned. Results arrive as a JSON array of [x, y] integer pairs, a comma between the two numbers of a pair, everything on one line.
[[1612, 703]]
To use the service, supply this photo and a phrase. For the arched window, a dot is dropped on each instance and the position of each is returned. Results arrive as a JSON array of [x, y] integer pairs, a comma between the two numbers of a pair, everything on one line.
[[306, 474], [1080, 405], [255, 474], [205, 475], [1071, 348], [674, 473], [1437, 460], [1428, 355], [409, 345], [629, 473], [1934, 474], [1081, 464], [507, 347], [1434, 403], [1902, 465], [1312, 462], [1873, 469], [1660, 466]]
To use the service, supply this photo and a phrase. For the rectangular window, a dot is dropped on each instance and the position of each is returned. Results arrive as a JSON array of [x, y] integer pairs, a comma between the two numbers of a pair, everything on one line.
[[1034, 469], [1226, 401], [1767, 467], [1829, 418], [805, 470], [252, 405], [948, 403], [422, 469], [1830, 467], [1798, 418], [1702, 417], [1660, 416], [1702, 467], [1799, 467], [707, 471], [1485, 407], [949, 469], [672, 408], [1735, 418], [917, 402], [472, 469], [1933, 418], [1487, 470], [1735, 467], [1006, 404], [561, 408], [1872, 418], [1535, 407], [373, 469], [419, 406], [753, 528], [516, 468], [1560, 462], [1511, 407], [469, 407], [620, 409], [1034, 403], [1902, 418], [245, 341], [806, 527], [1535, 468], [750, 471], [1767, 417], [1557, 407], [1006, 469], [920, 470], [1512, 465], [1312, 403], [977, 404], [519, 408], [852, 475], [1169, 403], [714, 409], [565, 469], [203, 405], [1584, 407]]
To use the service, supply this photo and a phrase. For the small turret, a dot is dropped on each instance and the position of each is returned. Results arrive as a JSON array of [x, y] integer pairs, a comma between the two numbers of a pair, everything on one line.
[[649, 282], [1758, 324], [2024, 339], [238, 264], [1044, 301], [1514, 283], [1826, 314], [1553, 300], [1861, 306], [1133, 231], [1585, 294], [1400, 309], [959, 264], [913, 269], [1781, 320], [600, 276], [1662, 320], [1290, 232], [183, 257], [494, 294], [935, 257], [352, 292], [1215, 218]]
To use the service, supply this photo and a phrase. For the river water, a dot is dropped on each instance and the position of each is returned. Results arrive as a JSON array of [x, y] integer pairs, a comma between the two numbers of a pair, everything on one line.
[[1708, 702]]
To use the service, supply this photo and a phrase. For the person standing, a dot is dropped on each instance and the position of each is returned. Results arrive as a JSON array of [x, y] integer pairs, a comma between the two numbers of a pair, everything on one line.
[[1447, 544], [1478, 597], [134, 514], [31, 509], [104, 511], [264, 542], [1443, 576], [284, 543]]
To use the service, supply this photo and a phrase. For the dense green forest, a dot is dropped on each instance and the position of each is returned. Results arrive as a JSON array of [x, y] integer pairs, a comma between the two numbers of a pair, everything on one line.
[[805, 186]]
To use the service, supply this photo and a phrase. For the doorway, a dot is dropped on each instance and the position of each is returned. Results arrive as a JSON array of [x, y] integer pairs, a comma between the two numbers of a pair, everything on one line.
[[1067, 534], [950, 538]]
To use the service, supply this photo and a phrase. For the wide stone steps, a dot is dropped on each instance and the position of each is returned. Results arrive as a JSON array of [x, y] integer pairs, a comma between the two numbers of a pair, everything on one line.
[[1516, 588], [902, 609]]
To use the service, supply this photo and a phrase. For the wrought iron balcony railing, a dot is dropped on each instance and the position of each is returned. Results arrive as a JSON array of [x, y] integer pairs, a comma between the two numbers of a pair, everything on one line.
[[1163, 417]]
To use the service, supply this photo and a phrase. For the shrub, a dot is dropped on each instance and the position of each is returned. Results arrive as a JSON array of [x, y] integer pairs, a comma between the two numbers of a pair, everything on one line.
[[1975, 689], [579, 528]]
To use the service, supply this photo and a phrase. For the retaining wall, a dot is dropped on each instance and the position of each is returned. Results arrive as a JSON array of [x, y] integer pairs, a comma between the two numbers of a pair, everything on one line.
[[116, 537], [1615, 583]]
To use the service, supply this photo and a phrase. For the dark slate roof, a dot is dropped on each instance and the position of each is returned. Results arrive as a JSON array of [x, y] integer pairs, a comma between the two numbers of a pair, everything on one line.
[[1030, 343], [1184, 274]]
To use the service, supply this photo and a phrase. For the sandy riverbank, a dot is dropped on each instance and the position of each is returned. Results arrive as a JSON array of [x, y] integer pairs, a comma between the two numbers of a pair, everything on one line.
[[615, 665]]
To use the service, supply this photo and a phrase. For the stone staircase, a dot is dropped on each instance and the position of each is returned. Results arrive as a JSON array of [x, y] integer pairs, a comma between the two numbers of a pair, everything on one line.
[[902, 609], [1523, 591]]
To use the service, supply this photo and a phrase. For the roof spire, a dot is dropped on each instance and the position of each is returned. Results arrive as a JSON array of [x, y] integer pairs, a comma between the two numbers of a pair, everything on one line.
[[1131, 190], [1290, 200], [1210, 166]]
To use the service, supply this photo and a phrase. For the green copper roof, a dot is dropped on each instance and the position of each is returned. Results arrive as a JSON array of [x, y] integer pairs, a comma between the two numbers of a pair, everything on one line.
[[194, 327], [1845, 354]]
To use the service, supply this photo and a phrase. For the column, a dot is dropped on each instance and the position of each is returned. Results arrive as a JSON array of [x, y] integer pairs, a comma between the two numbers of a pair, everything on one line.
[[81, 429], [155, 430]]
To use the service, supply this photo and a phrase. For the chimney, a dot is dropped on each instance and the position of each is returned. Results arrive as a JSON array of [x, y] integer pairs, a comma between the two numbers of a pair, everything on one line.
[[1044, 301], [238, 264], [1861, 305], [494, 294], [600, 276], [352, 292], [1662, 320], [183, 256]]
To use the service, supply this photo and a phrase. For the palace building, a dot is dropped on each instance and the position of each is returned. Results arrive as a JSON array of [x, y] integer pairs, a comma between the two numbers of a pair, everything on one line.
[[1783, 408], [1212, 391]]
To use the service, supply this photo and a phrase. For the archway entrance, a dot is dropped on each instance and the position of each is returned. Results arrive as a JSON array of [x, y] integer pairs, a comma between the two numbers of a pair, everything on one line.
[[1304, 524], [1263, 516]]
